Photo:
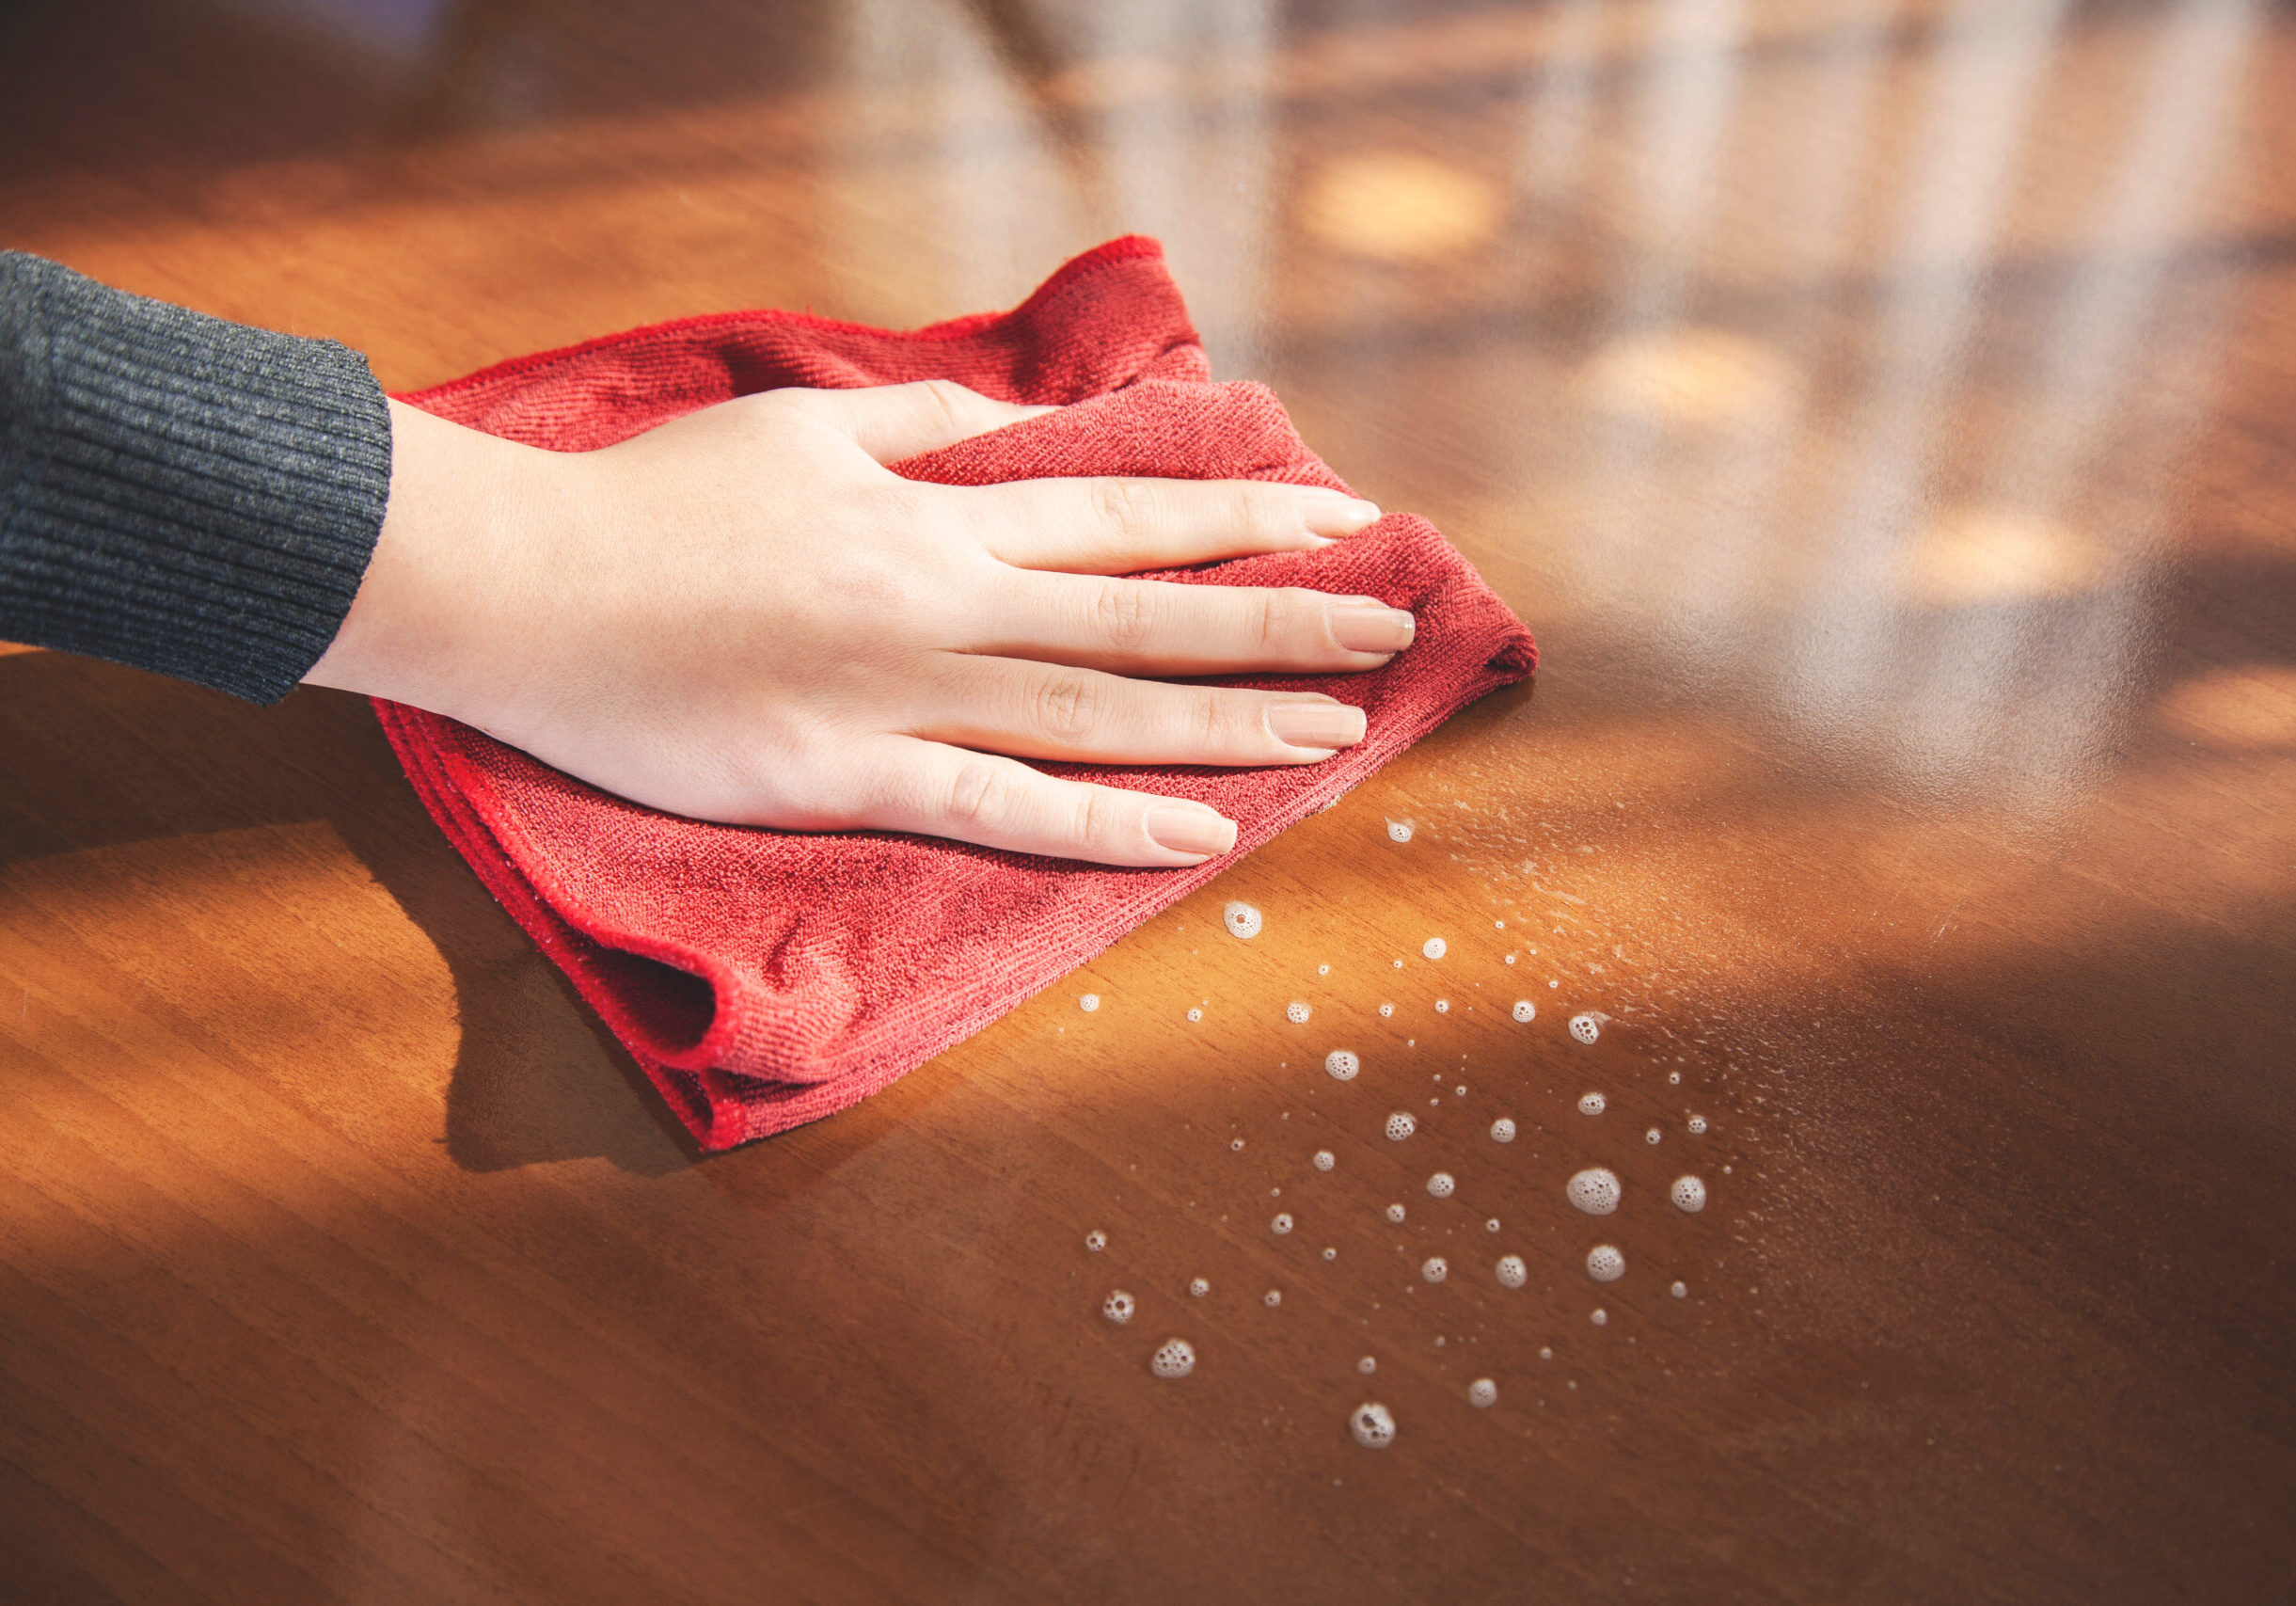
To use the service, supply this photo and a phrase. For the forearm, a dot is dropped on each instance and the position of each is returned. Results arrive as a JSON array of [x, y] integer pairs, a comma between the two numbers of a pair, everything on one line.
[[180, 493]]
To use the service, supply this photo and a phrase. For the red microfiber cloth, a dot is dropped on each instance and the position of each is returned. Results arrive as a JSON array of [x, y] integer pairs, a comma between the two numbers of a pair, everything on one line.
[[766, 979]]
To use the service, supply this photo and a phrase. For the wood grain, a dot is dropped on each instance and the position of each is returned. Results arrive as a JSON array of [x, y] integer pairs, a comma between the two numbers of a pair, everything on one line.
[[1881, 409]]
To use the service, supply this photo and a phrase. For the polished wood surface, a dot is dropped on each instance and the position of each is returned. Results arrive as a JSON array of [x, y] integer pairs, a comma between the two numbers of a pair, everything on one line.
[[1882, 410]]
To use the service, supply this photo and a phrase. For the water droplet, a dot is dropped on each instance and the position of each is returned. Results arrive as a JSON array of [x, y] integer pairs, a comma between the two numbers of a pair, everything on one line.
[[1698, 1126], [1441, 1186], [1297, 1012], [1525, 1010], [1401, 1125], [1282, 1223], [1342, 1064], [1482, 1393], [1273, 1297], [1242, 920], [1435, 1268], [1600, 1317], [1367, 1365], [1433, 948], [1371, 1424], [1652, 1136], [1325, 1159], [1605, 1263], [1689, 1194], [1174, 1358], [1586, 1028], [1591, 1104], [1387, 1009], [1118, 1306], [1443, 1006], [1096, 1240], [1395, 1213], [1502, 1130], [1594, 1190], [1545, 1354], [1513, 1273], [1090, 1002]]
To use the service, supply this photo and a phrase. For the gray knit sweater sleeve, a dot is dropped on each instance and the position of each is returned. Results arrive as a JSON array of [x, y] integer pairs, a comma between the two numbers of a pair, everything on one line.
[[176, 492]]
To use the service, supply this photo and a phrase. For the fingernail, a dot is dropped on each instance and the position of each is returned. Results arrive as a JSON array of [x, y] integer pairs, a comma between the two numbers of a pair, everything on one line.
[[1315, 724], [1371, 626], [1190, 828], [1334, 512]]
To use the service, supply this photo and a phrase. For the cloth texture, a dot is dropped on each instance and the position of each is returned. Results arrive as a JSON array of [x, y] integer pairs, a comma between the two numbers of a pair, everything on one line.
[[177, 492], [765, 979]]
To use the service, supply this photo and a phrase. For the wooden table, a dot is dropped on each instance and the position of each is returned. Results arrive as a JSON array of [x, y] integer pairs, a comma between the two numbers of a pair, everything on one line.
[[1882, 410]]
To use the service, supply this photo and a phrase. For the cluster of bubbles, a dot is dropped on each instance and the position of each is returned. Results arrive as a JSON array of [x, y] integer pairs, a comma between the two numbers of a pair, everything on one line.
[[1198, 1287], [1372, 1424], [1090, 1002], [1594, 1190], [1441, 1184], [1513, 1273], [1342, 1064], [1680, 1290], [1242, 920], [1395, 1213], [1698, 1126], [1387, 1009], [1689, 1194], [1443, 1006], [1401, 1125], [1652, 1136], [1586, 1028], [1502, 1130], [1273, 1297], [1482, 1393], [1592, 1104], [1525, 1010], [1174, 1358], [1196, 1015], [1118, 1307], [1282, 1223], [1434, 948], [1605, 1263], [1297, 1012], [1325, 1159], [1398, 830], [1435, 1268], [1096, 1240]]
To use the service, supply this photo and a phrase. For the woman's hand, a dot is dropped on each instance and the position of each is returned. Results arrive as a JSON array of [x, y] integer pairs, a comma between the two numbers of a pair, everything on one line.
[[743, 616]]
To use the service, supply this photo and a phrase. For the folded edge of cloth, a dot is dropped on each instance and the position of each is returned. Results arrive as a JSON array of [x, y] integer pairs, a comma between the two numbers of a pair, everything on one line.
[[766, 979]]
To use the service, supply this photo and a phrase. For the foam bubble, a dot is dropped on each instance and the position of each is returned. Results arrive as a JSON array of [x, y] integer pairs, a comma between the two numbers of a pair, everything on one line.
[[1367, 1365], [1594, 1190], [1282, 1223], [1492, 1225], [1435, 1268], [1680, 1290], [1330, 1254], [1461, 1090], [1297, 1012], [1342, 1064], [1591, 1104], [1599, 1316], [1441, 1184], [1273, 1297], [1090, 1002], [1387, 1009], [1605, 1263], [1652, 1136], [1395, 1213], [1196, 1015], [1674, 1075], [1118, 1307], [1689, 1194], [1398, 830], [1174, 1358], [1371, 1424], [1443, 1006], [1235, 1145], [1323, 970], [1401, 1125], [1197, 1287], [1513, 1273], [1242, 920], [1525, 1010], [1325, 1159], [1096, 1240], [1698, 1126], [1482, 1393], [1511, 959], [1502, 1130], [1433, 948], [1586, 1028]]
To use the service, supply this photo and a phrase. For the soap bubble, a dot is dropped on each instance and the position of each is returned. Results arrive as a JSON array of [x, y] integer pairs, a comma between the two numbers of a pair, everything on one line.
[[1502, 1130], [1652, 1136], [1196, 1015], [1398, 830], [1435, 1268], [1330, 1254], [1090, 1002], [1441, 1186], [1174, 1358], [1459, 1091], [1367, 1365], [1325, 1159], [1401, 1125], [1586, 1028], [1197, 1287], [1282, 1223], [1297, 1012], [1545, 1353], [1591, 1104], [1242, 920], [1594, 1190], [1680, 1290], [1235, 1145], [1433, 948], [1605, 1263], [1689, 1194], [1374, 1428], [1323, 970], [1492, 1225], [1342, 1064], [1599, 1316], [1482, 1393], [1698, 1126], [1273, 1297], [1513, 1273], [1387, 1009], [1511, 959], [1118, 1306], [1524, 1009], [1674, 1075], [1395, 1213], [1443, 1006], [1096, 1240]]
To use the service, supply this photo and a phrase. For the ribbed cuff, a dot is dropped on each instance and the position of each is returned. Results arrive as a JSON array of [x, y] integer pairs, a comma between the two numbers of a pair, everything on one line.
[[180, 493]]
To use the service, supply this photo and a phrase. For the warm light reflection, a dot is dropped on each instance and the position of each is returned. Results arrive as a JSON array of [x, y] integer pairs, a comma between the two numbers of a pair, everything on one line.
[[1701, 377], [1974, 556], [1396, 207], [2251, 707]]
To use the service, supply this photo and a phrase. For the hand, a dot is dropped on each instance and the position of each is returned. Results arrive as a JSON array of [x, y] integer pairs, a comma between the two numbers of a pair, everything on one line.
[[743, 616]]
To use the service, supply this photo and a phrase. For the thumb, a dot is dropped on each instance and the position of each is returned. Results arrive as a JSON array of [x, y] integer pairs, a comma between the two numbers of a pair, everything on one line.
[[894, 421]]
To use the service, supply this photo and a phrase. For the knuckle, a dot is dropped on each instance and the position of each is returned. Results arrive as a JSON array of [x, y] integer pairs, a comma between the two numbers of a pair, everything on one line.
[[1126, 507], [1068, 706], [1125, 613], [1215, 720], [943, 399], [979, 794]]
